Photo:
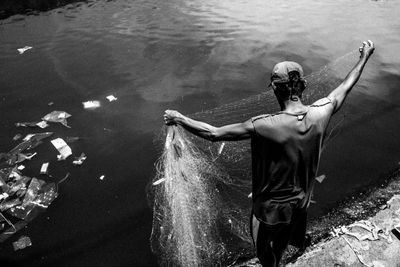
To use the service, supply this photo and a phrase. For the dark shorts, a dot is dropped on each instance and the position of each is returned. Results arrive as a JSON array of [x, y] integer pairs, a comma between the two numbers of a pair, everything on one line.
[[292, 224]]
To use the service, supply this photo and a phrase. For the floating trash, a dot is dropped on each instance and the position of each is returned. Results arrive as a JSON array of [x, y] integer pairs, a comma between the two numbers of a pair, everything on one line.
[[21, 167], [41, 124], [23, 157], [30, 141], [102, 177], [58, 116], [22, 243], [17, 137], [5, 205], [71, 139], [62, 147], [43, 169], [24, 49], [22, 198], [26, 124], [28, 137], [3, 196], [93, 104], [111, 98], [79, 160], [321, 178]]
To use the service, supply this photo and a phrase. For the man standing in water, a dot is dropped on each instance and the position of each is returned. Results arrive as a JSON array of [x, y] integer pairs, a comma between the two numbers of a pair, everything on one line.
[[286, 148]]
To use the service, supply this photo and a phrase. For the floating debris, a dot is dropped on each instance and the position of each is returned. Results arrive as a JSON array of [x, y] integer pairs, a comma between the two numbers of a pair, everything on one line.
[[50, 103], [57, 116], [26, 124], [62, 147], [321, 178], [21, 167], [22, 243], [23, 157], [111, 98], [17, 137], [43, 169], [93, 104], [23, 197], [24, 49], [71, 139], [102, 177], [28, 137], [79, 160], [4, 196], [42, 124]]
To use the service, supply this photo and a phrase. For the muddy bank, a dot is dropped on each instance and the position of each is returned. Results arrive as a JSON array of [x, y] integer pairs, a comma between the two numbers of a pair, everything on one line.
[[360, 206]]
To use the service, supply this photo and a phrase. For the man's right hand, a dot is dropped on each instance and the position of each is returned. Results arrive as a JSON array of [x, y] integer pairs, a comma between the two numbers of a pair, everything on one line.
[[171, 116], [367, 49]]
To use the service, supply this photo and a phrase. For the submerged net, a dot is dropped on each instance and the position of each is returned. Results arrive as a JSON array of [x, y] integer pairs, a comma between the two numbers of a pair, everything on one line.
[[201, 192]]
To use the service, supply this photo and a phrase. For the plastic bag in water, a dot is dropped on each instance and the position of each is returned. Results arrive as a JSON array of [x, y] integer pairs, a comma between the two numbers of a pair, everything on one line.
[[24, 49], [9, 204], [91, 104], [41, 124], [22, 243], [62, 147], [79, 160], [32, 191], [58, 116], [30, 141]]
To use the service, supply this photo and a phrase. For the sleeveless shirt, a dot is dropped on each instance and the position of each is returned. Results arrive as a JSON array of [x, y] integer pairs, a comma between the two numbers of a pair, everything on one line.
[[286, 150]]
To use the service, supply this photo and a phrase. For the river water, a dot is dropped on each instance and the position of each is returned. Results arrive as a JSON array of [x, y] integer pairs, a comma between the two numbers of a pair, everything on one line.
[[190, 56]]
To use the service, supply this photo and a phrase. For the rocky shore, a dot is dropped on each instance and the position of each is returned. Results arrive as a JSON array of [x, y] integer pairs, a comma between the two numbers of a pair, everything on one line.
[[332, 242]]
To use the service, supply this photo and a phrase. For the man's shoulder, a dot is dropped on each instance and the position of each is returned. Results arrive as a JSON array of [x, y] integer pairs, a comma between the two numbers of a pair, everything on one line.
[[321, 109], [265, 118], [321, 102], [259, 117]]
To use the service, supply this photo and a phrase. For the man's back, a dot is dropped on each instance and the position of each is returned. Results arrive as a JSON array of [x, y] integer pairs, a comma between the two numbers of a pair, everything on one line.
[[285, 155]]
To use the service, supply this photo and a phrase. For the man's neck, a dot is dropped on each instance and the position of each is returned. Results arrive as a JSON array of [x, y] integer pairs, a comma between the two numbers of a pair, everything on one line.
[[293, 105]]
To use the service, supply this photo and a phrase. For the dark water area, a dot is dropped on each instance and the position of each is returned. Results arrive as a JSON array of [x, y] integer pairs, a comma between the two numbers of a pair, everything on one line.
[[185, 55], [9, 8]]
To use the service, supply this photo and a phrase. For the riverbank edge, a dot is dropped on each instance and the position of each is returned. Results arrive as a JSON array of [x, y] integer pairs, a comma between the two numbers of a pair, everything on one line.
[[362, 205]]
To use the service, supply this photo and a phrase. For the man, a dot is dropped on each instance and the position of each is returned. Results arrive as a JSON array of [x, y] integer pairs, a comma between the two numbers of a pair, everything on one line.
[[286, 149]]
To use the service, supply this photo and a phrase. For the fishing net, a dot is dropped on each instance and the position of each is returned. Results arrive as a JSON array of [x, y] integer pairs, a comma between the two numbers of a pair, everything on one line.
[[201, 193], [190, 219]]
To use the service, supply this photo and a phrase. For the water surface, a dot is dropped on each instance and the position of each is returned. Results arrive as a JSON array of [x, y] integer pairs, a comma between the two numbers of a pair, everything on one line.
[[186, 55]]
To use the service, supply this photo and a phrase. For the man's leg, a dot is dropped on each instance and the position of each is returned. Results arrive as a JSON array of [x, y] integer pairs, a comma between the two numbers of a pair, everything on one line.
[[270, 242], [281, 237]]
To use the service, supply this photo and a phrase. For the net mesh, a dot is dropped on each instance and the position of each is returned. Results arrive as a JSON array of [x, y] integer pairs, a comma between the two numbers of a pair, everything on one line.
[[201, 191], [189, 221]]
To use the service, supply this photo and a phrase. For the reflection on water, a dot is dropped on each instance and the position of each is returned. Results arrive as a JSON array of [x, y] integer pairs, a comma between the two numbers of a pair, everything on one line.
[[191, 56]]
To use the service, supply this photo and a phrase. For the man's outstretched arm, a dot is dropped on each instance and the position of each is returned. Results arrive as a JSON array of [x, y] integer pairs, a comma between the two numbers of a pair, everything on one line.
[[231, 132], [338, 95]]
